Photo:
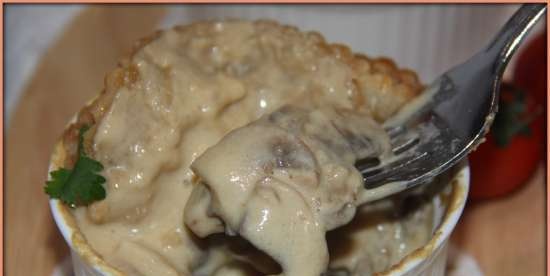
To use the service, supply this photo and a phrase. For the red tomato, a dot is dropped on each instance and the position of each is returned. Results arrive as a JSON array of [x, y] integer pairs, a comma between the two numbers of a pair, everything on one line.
[[514, 146], [499, 169], [530, 69]]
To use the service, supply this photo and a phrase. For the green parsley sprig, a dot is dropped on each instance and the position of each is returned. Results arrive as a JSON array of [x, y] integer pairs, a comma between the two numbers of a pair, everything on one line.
[[80, 186]]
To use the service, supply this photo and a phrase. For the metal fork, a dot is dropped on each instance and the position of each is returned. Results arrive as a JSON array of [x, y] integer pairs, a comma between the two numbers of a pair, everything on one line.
[[450, 119]]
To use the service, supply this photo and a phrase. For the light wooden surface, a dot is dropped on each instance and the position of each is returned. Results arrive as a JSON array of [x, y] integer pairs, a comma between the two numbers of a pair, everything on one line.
[[506, 236], [70, 73]]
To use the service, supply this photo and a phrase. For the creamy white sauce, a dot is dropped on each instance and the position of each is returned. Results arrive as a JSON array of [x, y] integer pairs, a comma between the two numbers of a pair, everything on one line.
[[283, 181], [194, 86]]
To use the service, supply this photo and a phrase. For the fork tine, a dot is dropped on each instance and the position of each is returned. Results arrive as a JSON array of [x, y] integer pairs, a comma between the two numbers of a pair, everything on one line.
[[384, 175], [405, 144], [394, 132], [366, 163], [401, 140]]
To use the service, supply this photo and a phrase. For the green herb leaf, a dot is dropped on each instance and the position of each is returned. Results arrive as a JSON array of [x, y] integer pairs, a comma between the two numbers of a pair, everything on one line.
[[80, 186], [510, 120]]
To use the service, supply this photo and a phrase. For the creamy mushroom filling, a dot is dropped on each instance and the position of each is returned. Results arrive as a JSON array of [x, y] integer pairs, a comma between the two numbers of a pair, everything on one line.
[[284, 180], [272, 120]]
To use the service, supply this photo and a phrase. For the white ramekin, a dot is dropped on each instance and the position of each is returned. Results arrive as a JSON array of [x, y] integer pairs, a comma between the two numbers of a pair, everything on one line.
[[398, 31], [429, 260]]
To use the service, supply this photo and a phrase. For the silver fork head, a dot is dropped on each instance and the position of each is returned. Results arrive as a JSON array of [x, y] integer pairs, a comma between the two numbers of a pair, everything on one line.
[[460, 108], [416, 151]]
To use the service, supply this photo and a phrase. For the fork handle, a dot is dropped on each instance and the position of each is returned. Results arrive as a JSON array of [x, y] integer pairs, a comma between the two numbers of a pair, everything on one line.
[[513, 32], [441, 97], [475, 84]]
